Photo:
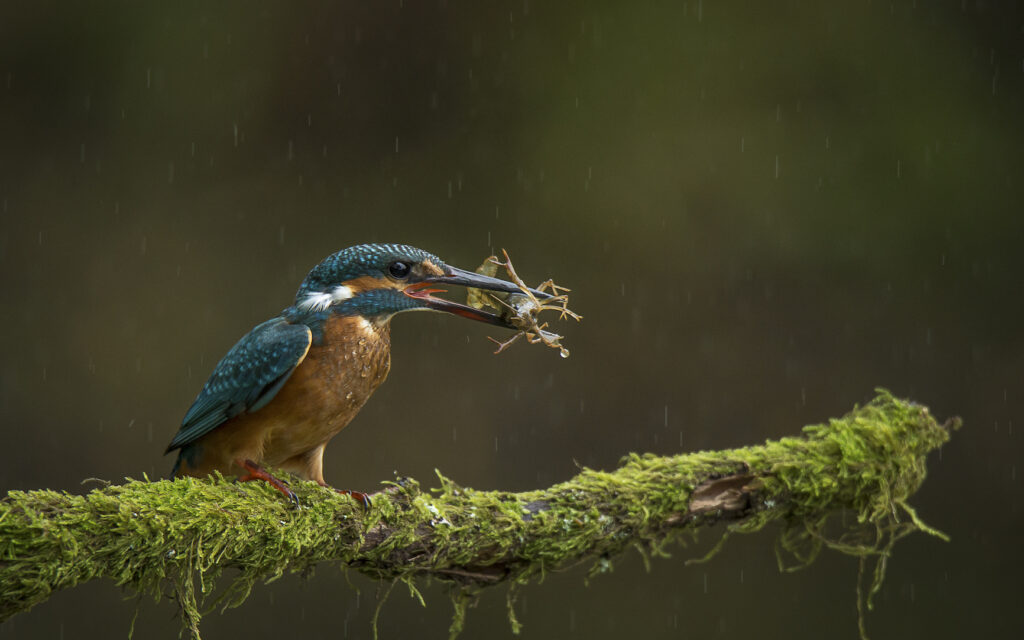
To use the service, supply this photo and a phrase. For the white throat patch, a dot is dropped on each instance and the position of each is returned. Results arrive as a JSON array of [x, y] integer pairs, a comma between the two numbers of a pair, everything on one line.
[[320, 300]]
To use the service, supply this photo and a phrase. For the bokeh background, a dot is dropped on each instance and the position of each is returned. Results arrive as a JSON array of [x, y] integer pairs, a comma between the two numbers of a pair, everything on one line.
[[765, 210]]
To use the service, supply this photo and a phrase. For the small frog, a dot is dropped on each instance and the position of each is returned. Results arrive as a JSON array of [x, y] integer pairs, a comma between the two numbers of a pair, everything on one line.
[[521, 309]]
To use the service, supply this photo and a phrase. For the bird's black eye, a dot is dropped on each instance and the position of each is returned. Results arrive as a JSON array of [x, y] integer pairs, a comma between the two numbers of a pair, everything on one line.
[[399, 269]]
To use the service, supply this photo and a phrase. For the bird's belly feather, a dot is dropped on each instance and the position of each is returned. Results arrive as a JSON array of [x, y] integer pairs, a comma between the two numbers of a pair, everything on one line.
[[323, 394], [326, 390]]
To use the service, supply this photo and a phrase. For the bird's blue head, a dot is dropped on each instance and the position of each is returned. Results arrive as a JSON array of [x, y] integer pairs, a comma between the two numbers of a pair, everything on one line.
[[376, 281]]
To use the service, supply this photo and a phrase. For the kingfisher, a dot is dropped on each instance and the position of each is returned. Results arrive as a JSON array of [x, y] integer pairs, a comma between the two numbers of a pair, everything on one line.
[[293, 382]]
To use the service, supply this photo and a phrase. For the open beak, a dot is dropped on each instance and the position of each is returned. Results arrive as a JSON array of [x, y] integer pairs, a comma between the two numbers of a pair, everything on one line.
[[421, 291]]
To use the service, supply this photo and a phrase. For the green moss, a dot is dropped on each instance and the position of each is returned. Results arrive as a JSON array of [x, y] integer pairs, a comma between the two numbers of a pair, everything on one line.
[[182, 534]]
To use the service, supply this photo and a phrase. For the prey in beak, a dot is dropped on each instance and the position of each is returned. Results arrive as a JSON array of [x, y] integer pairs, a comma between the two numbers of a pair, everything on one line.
[[422, 290]]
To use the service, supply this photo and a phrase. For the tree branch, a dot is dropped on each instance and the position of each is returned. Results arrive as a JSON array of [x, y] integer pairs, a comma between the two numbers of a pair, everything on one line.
[[181, 534]]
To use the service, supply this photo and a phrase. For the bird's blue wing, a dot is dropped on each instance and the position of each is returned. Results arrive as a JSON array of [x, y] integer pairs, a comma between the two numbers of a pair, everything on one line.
[[247, 378]]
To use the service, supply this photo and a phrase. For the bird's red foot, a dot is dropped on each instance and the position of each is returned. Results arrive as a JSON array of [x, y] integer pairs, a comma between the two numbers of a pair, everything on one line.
[[256, 472], [358, 496]]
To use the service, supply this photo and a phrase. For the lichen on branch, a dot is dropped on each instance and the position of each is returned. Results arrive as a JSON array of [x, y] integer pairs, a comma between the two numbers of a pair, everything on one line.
[[180, 535]]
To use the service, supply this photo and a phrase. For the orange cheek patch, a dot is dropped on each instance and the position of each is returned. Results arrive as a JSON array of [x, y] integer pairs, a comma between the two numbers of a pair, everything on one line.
[[366, 283], [432, 269]]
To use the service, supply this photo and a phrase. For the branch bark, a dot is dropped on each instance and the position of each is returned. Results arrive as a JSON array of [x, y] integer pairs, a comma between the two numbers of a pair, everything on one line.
[[180, 535]]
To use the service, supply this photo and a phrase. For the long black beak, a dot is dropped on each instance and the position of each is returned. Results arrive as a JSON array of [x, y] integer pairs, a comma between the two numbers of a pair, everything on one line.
[[477, 281], [421, 292]]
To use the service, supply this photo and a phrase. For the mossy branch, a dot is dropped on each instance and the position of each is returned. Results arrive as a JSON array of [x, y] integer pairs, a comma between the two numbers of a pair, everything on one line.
[[179, 536]]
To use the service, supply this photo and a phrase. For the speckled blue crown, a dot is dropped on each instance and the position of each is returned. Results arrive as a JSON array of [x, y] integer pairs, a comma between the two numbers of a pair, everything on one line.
[[360, 260]]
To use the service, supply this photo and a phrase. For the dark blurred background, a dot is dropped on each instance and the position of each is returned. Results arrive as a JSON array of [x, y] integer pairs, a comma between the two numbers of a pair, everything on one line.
[[765, 210]]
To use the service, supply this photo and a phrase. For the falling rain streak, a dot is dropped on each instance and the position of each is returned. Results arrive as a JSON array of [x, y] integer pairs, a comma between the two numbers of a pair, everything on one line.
[[605, 145]]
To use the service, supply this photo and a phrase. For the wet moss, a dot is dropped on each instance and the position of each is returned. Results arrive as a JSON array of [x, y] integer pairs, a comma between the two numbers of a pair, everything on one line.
[[179, 536]]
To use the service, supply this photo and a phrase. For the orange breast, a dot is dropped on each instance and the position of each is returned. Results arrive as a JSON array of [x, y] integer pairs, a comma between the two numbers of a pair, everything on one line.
[[322, 395], [327, 389]]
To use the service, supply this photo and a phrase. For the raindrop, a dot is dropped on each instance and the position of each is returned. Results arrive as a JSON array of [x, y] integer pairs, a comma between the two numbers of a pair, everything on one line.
[[495, 443], [666, 415]]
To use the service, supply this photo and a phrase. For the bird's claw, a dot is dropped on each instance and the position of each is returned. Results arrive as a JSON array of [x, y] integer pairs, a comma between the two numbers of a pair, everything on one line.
[[359, 497], [256, 472]]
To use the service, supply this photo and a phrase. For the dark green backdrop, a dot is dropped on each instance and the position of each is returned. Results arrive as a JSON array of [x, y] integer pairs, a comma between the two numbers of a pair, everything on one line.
[[765, 210]]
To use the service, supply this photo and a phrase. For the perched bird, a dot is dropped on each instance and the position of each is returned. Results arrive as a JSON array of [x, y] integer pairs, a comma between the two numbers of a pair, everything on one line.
[[292, 383]]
